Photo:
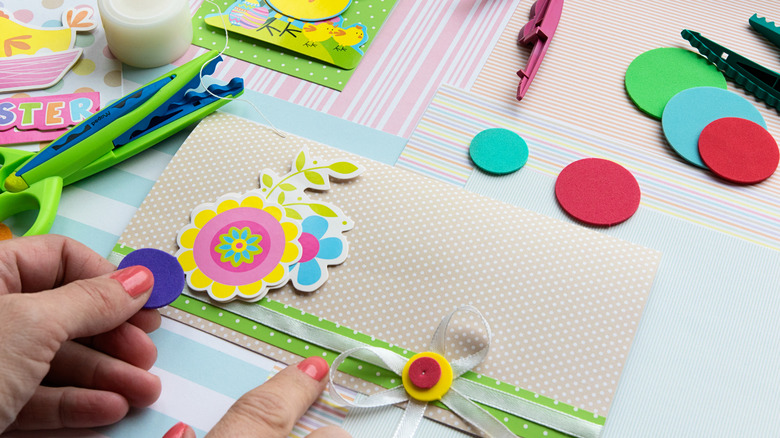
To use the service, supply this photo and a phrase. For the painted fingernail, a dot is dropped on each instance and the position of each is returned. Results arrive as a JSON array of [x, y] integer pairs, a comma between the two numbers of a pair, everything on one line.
[[135, 279], [314, 367], [177, 431]]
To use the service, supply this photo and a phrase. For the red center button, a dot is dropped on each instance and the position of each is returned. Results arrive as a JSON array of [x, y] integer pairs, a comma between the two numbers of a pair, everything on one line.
[[425, 372]]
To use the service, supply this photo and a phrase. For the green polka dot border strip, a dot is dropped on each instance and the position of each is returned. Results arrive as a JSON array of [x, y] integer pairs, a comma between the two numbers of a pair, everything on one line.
[[240, 323]]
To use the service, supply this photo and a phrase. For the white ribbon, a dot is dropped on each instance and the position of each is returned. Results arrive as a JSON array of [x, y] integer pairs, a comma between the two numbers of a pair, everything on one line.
[[467, 389], [415, 409]]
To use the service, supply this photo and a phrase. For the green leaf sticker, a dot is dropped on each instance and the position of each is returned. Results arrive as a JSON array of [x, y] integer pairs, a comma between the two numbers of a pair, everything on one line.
[[300, 161], [267, 180], [281, 198], [343, 168], [314, 177], [322, 210], [292, 214], [287, 187]]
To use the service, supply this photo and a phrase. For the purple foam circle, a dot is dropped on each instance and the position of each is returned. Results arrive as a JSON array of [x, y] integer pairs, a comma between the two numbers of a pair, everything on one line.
[[168, 275]]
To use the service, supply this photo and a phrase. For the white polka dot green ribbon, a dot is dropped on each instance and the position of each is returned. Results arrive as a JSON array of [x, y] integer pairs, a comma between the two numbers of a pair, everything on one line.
[[460, 395], [429, 376]]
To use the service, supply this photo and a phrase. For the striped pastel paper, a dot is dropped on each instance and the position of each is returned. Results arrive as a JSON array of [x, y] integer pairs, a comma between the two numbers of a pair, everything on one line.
[[439, 148]]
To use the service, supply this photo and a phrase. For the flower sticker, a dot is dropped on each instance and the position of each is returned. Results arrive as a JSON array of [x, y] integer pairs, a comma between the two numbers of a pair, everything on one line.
[[322, 240], [238, 247], [243, 245], [321, 247]]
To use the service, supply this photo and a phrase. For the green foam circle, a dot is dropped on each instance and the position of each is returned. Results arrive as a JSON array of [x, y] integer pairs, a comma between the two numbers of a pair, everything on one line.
[[657, 75], [498, 151]]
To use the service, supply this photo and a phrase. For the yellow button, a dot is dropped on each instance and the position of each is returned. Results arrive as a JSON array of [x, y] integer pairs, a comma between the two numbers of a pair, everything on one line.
[[437, 391]]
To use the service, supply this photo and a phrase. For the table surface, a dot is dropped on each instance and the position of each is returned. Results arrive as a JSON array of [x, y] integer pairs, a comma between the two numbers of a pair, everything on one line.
[[704, 359]]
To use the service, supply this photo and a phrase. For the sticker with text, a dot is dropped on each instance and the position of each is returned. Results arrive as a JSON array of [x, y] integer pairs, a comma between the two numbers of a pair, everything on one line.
[[43, 118]]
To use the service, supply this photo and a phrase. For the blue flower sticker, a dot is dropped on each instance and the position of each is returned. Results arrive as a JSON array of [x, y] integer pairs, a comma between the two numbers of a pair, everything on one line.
[[318, 252]]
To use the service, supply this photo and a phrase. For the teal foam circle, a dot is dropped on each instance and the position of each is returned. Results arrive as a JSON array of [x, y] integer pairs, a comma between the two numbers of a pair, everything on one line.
[[498, 151], [690, 111]]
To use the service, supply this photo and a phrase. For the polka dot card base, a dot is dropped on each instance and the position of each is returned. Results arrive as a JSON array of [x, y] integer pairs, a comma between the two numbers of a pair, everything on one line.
[[563, 301]]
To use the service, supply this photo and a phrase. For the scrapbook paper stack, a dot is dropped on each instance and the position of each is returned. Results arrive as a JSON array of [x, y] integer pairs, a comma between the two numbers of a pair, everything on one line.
[[487, 317]]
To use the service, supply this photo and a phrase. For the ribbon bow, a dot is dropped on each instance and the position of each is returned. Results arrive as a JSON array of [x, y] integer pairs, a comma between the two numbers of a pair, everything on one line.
[[428, 377]]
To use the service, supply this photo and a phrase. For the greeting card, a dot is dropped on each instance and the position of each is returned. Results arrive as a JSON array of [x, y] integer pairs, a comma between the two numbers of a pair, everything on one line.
[[535, 316]]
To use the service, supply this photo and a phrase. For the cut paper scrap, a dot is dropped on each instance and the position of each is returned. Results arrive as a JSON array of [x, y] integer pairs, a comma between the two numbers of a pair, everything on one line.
[[432, 376], [739, 150], [243, 245], [657, 75], [312, 28], [45, 117], [689, 111], [335, 39], [418, 243], [34, 57]]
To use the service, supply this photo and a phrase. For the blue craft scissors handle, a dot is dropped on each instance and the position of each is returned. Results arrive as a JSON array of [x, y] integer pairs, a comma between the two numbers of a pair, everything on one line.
[[43, 196]]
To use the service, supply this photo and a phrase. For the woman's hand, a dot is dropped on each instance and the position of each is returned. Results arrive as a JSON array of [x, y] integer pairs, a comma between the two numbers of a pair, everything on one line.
[[74, 349], [271, 409]]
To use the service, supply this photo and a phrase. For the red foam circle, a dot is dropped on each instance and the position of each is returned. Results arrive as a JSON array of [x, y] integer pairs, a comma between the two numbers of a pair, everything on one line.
[[597, 191], [425, 372], [739, 150]]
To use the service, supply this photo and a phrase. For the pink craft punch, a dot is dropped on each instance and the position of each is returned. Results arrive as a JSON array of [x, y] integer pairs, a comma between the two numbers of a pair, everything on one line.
[[545, 15]]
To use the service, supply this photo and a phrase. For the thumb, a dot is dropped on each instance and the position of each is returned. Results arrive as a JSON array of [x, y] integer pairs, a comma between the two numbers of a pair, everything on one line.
[[271, 409], [96, 305]]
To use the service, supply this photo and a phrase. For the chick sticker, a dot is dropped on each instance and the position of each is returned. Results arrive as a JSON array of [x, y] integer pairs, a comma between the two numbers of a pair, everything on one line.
[[38, 57], [314, 28]]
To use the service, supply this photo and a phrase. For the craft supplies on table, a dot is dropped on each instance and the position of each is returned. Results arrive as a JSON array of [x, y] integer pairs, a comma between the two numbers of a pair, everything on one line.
[[34, 180], [715, 223]]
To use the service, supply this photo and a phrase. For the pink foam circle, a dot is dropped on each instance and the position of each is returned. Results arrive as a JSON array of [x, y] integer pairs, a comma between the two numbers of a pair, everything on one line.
[[597, 192], [739, 150], [425, 372]]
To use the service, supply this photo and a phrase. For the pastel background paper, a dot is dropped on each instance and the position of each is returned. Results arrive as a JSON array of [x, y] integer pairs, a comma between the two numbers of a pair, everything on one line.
[[29, 119], [246, 20], [675, 354], [669, 185], [95, 71], [419, 243], [693, 332]]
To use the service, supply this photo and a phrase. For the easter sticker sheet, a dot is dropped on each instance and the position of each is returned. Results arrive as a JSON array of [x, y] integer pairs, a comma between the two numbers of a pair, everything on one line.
[[319, 41], [305, 28], [67, 36]]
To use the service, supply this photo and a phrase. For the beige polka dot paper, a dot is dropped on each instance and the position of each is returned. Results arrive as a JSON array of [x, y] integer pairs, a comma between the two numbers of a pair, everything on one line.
[[563, 301]]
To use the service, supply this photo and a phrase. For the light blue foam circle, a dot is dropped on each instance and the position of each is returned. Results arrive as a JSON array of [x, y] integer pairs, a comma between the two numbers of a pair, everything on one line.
[[691, 110]]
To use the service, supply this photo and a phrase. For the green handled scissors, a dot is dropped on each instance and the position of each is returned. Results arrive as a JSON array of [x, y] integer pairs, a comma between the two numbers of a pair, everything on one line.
[[150, 114]]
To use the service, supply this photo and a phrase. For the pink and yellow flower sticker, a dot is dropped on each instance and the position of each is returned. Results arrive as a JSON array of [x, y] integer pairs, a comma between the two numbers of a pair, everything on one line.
[[243, 245]]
